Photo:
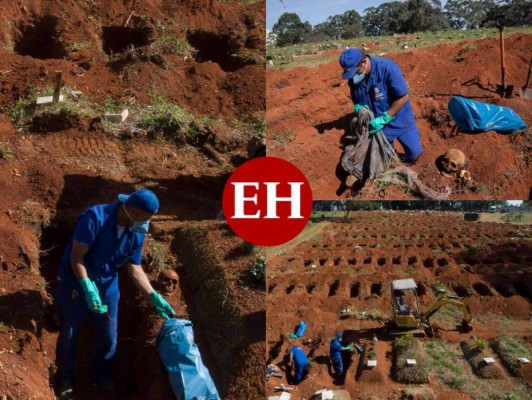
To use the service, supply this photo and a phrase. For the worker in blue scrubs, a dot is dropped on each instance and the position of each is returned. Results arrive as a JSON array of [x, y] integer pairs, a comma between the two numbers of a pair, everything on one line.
[[378, 83], [335, 353], [299, 362], [106, 237]]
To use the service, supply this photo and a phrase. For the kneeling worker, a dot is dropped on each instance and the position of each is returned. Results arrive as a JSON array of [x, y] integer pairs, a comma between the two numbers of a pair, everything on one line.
[[378, 83]]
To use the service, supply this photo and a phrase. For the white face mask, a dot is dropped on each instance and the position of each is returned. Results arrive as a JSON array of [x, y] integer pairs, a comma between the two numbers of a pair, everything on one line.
[[360, 77], [138, 226]]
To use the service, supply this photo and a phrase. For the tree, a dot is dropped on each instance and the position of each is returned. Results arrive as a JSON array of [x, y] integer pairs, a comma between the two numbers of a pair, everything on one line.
[[383, 20], [341, 26], [290, 30], [422, 15], [510, 12], [465, 14]]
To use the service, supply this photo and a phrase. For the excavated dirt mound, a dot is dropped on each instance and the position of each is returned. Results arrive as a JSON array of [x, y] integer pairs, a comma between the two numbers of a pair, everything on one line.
[[309, 110], [53, 172], [338, 278]]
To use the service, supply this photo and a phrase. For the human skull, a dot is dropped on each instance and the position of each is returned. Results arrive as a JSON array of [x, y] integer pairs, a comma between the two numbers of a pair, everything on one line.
[[453, 161], [168, 281]]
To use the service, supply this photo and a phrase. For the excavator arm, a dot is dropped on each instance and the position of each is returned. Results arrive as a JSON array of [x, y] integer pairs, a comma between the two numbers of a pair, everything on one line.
[[445, 300]]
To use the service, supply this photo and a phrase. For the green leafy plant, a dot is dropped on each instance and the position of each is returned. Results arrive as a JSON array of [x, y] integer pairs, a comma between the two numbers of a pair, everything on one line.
[[481, 345], [257, 268]]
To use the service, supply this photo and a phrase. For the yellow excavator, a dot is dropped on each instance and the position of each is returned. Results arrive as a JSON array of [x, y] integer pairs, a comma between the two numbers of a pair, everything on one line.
[[406, 316]]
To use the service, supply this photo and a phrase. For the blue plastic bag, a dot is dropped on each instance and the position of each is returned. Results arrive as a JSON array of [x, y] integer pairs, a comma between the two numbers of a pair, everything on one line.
[[190, 379], [475, 116], [301, 329]]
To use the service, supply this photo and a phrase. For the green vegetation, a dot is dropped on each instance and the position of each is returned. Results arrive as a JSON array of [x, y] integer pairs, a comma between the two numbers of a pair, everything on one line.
[[289, 57], [167, 119], [78, 46], [437, 286], [5, 152], [409, 347], [155, 255], [509, 349], [169, 43], [446, 364], [257, 268], [477, 187]]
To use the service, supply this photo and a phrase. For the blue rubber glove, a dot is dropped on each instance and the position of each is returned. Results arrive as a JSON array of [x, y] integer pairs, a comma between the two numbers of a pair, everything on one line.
[[359, 107], [92, 297], [162, 307], [378, 123]]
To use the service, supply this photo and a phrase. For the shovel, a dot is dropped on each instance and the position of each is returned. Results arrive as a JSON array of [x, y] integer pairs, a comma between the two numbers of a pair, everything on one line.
[[525, 92], [503, 90]]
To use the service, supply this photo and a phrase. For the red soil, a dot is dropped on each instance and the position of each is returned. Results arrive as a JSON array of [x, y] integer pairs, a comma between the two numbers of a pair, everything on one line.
[[312, 104]]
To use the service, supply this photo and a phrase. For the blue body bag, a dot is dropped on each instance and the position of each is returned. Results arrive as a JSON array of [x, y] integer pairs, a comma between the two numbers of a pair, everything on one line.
[[475, 116], [190, 379]]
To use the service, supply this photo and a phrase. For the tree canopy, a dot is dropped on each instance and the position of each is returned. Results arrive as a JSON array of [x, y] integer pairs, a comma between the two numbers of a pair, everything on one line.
[[405, 17], [290, 30]]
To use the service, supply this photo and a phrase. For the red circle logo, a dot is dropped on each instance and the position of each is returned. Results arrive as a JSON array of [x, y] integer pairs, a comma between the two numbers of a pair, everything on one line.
[[267, 201]]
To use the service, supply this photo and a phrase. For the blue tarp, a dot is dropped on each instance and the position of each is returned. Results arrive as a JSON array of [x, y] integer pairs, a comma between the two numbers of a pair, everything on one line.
[[475, 116], [190, 379]]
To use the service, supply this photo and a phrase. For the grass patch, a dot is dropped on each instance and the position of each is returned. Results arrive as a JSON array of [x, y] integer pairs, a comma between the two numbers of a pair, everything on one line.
[[478, 187], [156, 257], [446, 364], [169, 42], [438, 286], [34, 215], [509, 349], [78, 46], [474, 353], [289, 56], [167, 119], [409, 347]]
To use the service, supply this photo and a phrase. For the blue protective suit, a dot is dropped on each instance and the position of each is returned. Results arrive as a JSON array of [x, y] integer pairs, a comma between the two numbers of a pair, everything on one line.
[[300, 363], [97, 230], [385, 84], [335, 352]]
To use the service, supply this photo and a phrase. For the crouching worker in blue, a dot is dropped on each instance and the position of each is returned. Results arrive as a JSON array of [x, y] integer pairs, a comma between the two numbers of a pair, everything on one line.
[[106, 237], [378, 83], [335, 352], [299, 363]]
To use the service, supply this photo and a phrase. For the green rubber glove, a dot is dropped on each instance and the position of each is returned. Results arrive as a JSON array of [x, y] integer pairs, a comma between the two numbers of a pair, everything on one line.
[[92, 297], [378, 123], [359, 107], [346, 348], [162, 307]]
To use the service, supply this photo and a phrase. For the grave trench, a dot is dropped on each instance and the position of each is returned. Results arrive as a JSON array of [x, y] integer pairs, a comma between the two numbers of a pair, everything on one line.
[[290, 288], [461, 291], [482, 289], [504, 289], [217, 48], [41, 39], [376, 288], [117, 38], [333, 289], [354, 290]]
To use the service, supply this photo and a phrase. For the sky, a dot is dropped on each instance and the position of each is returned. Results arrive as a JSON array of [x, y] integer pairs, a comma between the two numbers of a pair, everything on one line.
[[316, 11]]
